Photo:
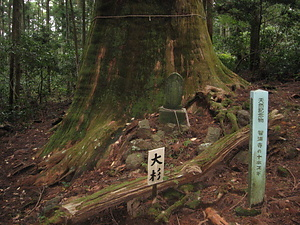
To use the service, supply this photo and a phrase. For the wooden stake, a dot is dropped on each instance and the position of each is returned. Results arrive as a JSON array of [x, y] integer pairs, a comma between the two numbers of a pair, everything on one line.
[[154, 191]]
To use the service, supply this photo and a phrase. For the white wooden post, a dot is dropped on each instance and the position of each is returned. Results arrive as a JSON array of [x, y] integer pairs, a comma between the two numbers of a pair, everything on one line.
[[258, 146]]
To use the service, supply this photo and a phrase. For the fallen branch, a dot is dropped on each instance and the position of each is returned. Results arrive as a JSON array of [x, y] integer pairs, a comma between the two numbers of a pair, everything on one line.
[[232, 207], [38, 201], [294, 178]]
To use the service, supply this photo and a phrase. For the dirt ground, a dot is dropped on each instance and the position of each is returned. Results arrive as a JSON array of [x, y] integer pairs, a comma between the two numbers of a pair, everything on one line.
[[223, 188]]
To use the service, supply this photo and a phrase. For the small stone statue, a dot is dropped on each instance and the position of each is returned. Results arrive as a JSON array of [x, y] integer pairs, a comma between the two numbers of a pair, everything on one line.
[[173, 91], [172, 111]]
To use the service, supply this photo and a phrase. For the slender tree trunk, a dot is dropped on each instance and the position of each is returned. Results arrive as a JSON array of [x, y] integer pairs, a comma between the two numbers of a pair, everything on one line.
[[208, 5], [23, 16], [74, 36], [11, 79], [48, 25], [48, 79], [41, 86], [9, 11], [18, 74], [11, 59], [27, 17], [83, 15], [2, 19], [15, 67], [48, 15], [255, 37], [40, 11], [131, 49], [67, 20]]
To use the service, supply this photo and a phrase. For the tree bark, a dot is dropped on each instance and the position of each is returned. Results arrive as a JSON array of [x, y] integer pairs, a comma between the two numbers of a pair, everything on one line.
[[132, 48]]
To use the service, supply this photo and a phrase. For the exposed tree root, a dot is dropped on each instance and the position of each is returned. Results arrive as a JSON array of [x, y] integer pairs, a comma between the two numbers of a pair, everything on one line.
[[217, 101], [164, 215], [73, 160]]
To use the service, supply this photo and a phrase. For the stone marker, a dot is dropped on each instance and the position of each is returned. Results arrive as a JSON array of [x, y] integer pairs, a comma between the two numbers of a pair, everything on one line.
[[172, 111], [258, 146], [173, 91]]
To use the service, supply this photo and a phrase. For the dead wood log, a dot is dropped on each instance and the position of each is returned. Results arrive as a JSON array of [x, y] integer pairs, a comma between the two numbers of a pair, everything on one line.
[[80, 209]]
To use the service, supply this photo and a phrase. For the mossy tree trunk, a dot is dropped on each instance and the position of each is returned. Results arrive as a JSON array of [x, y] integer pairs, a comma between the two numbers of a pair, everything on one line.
[[132, 47]]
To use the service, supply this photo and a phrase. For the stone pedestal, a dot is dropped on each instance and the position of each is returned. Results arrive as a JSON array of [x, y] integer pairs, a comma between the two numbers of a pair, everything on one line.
[[175, 116]]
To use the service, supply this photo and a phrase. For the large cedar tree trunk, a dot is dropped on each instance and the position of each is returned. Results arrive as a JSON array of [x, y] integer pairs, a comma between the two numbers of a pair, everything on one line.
[[132, 47]]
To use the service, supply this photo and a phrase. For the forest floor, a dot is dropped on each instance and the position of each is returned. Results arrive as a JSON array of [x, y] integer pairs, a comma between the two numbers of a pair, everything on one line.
[[223, 188]]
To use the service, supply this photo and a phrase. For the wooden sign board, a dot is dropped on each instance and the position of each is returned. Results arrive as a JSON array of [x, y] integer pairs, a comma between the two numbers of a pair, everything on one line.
[[156, 163], [258, 146]]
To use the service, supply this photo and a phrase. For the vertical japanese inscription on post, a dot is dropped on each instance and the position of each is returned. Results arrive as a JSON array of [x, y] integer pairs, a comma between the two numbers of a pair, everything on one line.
[[156, 162], [258, 146]]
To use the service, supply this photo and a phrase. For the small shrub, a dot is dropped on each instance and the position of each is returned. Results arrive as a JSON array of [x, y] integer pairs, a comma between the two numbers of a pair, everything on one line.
[[228, 60]]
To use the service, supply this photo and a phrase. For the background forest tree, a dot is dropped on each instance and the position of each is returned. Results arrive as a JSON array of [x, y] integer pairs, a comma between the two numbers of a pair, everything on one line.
[[262, 36], [47, 36]]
